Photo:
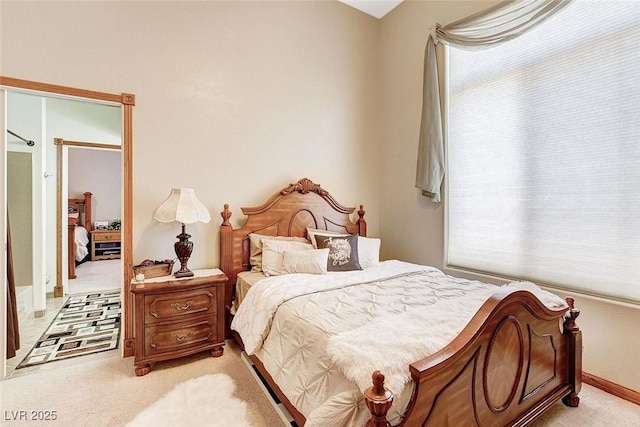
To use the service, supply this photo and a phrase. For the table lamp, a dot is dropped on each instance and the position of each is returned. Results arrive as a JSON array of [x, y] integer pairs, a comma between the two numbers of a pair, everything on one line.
[[182, 206]]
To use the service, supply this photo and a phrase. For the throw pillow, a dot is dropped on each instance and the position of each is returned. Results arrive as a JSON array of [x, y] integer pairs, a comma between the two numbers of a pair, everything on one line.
[[313, 232], [255, 248], [343, 251], [313, 261], [272, 254], [368, 251]]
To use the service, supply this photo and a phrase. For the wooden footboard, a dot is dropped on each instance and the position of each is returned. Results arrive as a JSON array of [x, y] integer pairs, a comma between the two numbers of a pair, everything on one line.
[[513, 361]]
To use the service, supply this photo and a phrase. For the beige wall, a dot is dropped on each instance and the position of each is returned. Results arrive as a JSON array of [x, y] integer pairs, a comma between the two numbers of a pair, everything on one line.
[[234, 99], [100, 172], [413, 228], [20, 215]]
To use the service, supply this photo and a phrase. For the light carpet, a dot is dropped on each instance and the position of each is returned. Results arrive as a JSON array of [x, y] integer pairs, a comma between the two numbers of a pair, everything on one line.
[[206, 401], [85, 324], [94, 276], [103, 391]]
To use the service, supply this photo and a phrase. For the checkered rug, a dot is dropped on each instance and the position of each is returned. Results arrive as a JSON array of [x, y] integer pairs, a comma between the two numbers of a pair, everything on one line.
[[86, 324]]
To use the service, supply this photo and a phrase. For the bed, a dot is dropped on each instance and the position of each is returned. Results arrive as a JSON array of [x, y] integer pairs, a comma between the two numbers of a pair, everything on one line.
[[79, 226], [337, 348]]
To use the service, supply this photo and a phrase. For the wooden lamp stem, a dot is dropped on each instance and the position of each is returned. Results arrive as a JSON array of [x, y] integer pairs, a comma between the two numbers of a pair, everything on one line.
[[183, 248]]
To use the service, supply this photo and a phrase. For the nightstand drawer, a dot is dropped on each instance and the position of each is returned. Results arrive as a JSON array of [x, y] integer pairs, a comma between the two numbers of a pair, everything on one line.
[[105, 236], [177, 337], [177, 305]]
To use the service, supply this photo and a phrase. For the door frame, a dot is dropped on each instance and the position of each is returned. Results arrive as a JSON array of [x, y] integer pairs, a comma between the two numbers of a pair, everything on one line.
[[127, 102], [62, 235]]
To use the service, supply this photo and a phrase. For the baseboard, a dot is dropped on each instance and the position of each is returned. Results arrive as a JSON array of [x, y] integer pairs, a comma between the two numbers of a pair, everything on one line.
[[611, 388]]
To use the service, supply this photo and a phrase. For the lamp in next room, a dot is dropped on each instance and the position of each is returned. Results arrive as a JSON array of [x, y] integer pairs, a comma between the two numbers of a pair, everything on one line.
[[182, 206]]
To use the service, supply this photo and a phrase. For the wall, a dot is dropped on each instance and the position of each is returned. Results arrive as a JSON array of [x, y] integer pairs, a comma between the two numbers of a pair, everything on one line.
[[100, 172], [413, 228], [25, 116], [19, 203], [233, 99]]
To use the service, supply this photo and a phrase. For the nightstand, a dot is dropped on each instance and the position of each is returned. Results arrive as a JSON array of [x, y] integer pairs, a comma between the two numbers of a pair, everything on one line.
[[105, 244], [176, 317]]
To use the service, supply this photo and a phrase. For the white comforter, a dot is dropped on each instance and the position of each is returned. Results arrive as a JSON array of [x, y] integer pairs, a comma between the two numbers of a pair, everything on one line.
[[82, 240], [308, 329]]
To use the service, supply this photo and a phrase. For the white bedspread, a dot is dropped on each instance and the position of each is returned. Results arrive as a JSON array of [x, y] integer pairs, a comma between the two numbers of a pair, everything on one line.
[[253, 317], [289, 322], [413, 335], [82, 240]]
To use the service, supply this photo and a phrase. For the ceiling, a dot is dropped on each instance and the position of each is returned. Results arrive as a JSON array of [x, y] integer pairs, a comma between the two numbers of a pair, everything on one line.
[[377, 8]]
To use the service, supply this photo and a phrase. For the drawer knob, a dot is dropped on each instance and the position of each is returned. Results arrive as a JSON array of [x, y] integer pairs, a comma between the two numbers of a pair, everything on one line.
[[182, 307], [182, 338]]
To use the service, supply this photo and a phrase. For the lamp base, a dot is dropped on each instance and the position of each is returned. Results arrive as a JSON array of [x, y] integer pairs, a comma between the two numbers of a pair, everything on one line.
[[183, 248], [180, 273]]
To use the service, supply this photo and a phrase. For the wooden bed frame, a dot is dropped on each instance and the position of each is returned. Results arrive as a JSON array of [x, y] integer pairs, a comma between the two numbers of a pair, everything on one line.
[[514, 360], [83, 207]]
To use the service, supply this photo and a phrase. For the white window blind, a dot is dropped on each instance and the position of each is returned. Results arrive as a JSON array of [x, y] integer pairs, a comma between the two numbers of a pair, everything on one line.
[[544, 153]]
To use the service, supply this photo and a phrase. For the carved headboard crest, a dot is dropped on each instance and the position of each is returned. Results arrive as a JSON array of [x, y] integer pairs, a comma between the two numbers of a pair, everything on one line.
[[304, 186]]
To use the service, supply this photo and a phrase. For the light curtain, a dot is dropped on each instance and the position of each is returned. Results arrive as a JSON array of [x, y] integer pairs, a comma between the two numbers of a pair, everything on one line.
[[485, 29]]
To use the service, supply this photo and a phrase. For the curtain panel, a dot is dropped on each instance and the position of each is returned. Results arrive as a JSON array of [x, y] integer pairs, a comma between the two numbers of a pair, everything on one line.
[[485, 29]]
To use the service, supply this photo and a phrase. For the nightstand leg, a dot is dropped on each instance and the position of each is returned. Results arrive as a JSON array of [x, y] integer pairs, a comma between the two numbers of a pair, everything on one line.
[[143, 369], [217, 351]]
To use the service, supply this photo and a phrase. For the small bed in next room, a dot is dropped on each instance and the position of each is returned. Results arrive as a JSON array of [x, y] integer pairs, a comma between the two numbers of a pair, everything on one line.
[[320, 315], [79, 226]]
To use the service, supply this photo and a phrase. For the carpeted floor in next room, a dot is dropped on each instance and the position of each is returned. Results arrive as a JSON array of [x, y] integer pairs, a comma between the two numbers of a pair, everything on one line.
[[95, 276], [103, 390]]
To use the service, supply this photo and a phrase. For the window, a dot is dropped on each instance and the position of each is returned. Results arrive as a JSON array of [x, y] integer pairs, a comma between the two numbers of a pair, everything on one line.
[[544, 153]]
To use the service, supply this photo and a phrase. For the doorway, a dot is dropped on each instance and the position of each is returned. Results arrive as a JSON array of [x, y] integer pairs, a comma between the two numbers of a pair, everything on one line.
[[98, 264], [126, 103]]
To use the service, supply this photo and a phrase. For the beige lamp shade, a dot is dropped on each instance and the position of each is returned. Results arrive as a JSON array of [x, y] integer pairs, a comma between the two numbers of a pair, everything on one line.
[[183, 206]]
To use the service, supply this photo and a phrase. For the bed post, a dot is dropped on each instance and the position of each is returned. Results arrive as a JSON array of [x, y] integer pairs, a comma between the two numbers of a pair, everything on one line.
[[574, 339], [226, 265], [88, 220], [362, 224], [378, 400], [71, 250]]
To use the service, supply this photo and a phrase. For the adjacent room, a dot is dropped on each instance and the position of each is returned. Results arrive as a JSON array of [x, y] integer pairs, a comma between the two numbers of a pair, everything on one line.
[[49, 176], [264, 213]]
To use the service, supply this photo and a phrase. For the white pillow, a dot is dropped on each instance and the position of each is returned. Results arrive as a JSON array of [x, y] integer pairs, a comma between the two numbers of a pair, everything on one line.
[[368, 247], [272, 254], [255, 248], [313, 261], [368, 251]]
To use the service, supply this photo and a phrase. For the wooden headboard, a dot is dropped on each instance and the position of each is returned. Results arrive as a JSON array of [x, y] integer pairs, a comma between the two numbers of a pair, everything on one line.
[[83, 207], [288, 212]]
